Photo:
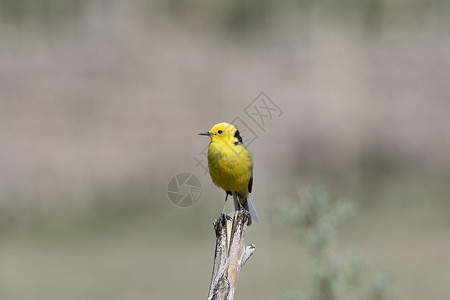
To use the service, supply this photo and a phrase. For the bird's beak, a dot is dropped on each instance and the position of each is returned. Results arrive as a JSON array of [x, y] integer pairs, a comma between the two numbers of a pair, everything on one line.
[[204, 133]]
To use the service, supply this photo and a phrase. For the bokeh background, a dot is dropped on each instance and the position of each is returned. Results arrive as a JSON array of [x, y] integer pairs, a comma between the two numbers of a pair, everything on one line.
[[101, 101]]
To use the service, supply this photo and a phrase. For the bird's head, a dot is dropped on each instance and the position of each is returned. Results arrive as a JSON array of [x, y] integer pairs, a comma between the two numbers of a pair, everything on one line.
[[223, 132]]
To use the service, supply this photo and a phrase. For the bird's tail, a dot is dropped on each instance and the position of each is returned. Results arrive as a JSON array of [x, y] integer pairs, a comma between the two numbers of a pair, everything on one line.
[[248, 205]]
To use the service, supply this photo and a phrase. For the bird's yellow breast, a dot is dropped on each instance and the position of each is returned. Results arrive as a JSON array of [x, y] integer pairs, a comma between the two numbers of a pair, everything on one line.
[[230, 165]]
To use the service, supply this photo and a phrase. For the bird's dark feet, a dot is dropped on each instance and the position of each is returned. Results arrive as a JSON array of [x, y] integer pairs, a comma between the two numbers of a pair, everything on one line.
[[246, 212]]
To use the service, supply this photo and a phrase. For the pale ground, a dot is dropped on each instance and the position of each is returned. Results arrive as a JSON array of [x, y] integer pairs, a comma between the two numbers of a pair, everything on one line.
[[168, 254]]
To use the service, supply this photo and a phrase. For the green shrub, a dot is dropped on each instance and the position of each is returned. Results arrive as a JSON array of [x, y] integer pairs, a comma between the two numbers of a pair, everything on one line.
[[331, 278]]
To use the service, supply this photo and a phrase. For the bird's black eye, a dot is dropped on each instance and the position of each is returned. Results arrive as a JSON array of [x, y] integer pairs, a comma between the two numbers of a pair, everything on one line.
[[219, 132]]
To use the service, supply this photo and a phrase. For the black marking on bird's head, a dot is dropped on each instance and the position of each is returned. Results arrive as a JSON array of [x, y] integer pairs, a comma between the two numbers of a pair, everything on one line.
[[238, 136]]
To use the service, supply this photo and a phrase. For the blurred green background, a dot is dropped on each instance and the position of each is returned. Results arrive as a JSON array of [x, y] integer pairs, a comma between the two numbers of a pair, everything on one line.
[[101, 101]]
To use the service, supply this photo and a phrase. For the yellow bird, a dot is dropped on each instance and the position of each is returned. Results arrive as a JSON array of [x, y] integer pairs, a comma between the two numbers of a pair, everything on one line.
[[231, 166]]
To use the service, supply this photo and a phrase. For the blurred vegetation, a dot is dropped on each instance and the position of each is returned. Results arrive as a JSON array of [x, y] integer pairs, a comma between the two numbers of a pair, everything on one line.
[[247, 15], [331, 277], [47, 12]]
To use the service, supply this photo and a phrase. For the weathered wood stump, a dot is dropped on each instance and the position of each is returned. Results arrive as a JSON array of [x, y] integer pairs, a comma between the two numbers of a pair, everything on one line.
[[230, 255]]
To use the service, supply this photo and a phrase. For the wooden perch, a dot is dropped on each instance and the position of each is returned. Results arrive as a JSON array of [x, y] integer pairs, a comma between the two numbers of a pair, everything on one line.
[[230, 256]]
